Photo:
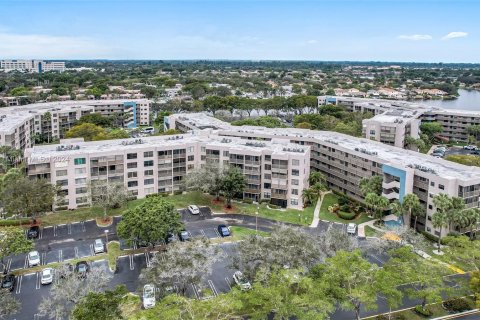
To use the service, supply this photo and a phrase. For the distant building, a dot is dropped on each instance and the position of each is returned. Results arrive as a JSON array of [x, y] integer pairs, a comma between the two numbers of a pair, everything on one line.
[[34, 66]]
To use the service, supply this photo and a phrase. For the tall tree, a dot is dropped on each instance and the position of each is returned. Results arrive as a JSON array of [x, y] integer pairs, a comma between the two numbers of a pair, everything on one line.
[[206, 179], [378, 203], [150, 221], [413, 206], [371, 185], [183, 264], [87, 131], [233, 183], [107, 195], [13, 241], [431, 129], [8, 304], [70, 290], [440, 217], [101, 305]]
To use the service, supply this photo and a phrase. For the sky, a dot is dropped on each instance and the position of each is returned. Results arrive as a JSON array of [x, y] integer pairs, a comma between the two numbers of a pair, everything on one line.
[[332, 30]]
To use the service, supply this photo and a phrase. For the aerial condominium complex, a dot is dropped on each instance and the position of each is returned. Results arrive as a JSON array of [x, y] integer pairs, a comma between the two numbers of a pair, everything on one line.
[[52, 120], [274, 170], [393, 121], [345, 160], [36, 66]]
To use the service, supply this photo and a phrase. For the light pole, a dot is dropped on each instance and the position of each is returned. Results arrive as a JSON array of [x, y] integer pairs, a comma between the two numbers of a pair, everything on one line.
[[106, 238], [256, 220]]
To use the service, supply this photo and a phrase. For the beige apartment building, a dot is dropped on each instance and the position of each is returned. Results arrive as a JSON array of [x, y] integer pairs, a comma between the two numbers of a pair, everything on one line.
[[54, 119], [276, 170], [454, 122], [35, 66], [345, 160]]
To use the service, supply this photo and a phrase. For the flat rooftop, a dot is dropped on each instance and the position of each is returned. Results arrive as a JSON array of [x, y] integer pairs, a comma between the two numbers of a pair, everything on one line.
[[10, 121]]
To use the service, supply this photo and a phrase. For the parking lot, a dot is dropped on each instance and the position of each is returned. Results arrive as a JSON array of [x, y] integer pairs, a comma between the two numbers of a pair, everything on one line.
[[65, 242], [455, 150]]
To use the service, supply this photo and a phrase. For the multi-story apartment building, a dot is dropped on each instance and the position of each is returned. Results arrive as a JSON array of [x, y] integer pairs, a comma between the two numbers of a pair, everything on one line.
[[37, 66], [16, 130], [345, 160], [274, 170], [454, 122], [54, 119]]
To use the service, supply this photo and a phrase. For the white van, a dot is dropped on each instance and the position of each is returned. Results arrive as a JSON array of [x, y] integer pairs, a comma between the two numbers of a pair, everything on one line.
[[149, 130]]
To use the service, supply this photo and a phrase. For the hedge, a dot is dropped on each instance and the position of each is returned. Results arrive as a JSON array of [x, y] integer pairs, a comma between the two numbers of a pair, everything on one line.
[[432, 237], [8, 223], [456, 305], [248, 201], [426, 313], [347, 215]]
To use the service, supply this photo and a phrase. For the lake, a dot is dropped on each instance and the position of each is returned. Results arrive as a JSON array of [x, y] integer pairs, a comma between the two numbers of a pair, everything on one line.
[[468, 100]]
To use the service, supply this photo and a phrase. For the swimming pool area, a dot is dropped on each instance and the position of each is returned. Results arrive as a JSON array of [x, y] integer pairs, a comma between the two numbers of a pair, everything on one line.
[[393, 224]]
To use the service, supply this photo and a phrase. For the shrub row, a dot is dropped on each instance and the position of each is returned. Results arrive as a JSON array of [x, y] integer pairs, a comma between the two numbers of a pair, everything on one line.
[[248, 201], [426, 313], [432, 237], [457, 305], [346, 215], [16, 222]]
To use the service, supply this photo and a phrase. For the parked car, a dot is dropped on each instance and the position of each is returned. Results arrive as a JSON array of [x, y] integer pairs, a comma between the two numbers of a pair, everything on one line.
[[33, 232], [441, 148], [171, 237], [148, 296], [47, 276], [476, 152], [148, 130], [8, 282], [223, 230], [194, 209], [82, 268], [33, 258], [352, 228], [184, 235], [98, 246], [241, 281], [470, 147]]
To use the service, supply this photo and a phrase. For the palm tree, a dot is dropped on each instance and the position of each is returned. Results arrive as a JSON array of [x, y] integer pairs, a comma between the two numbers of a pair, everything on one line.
[[470, 218], [418, 211], [316, 177], [411, 203], [377, 202], [398, 208], [455, 212], [440, 220], [309, 195]]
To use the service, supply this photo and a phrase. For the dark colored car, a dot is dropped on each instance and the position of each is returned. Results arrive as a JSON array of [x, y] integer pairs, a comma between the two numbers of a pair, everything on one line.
[[33, 232], [184, 236], [171, 237], [223, 230], [82, 268], [476, 152], [8, 282]]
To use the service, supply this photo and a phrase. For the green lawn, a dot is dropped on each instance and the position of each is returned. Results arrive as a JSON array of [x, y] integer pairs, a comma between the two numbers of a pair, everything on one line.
[[370, 232], [329, 200], [239, 233], [113, 251]]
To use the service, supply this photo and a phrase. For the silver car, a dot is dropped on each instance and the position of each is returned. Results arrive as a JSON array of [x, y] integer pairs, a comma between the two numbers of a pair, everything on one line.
[[98, 246], [47, 276]]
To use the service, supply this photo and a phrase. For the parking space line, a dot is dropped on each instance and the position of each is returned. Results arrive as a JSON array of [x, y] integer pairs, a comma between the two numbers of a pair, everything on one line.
[[7, 265], [26, 262], [195, 290], [37, 284], [376, 258], [76, 252], [54, 231], [212, 286], [19, 285], [147, 259], [69, 227], [216, 232], [83, 226], [203, 233], [227, 280], [60, 255], [40, 235], [132, 265], [43, 261], [135, 245], [92, 253]]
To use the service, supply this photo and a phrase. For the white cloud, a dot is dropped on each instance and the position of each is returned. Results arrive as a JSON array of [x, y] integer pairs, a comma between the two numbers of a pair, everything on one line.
[[416, 37], [51, 47], [312, 41], [455, 34]]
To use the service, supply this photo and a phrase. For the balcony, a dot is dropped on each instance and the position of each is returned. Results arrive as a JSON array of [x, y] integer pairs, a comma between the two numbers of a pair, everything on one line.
[[391, 184], [391, 195]]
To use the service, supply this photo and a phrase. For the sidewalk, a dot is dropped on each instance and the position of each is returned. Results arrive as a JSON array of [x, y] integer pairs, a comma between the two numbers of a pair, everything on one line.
[[361, 228], [316, 212]]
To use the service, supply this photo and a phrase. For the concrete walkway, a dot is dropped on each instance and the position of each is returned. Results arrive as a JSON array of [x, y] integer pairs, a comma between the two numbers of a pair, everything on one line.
[[316, 212], [361, 228]]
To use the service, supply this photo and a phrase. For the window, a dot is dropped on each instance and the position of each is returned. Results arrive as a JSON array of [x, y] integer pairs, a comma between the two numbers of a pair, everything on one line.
[[131, 165], [267, 195], [294, 202], [62, 183], [432, 183], [268, 167], [79, 161], [441, 187], [191, 149], [268, 158], [131, 156], [295, 182], [372, 131], [148, 181], [268, 176], [225, 153], [61, 173], [80, 170], [149, 190], [148, 154], [132, 184], [267, 185], [295, 192], [81, 190], [430, 207], [203, 149], [148, 172], [148, 163], [295, 172], [190, 158], [132, 174], [80, 180], [295, 162], [81, 200]]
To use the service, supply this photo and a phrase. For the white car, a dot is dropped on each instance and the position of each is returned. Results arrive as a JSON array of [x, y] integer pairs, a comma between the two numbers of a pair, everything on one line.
[[193, 209], [98, 246], [148, 296], [241, 281], [470, 147], [33, 258], [47, 276], [352, 228]]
